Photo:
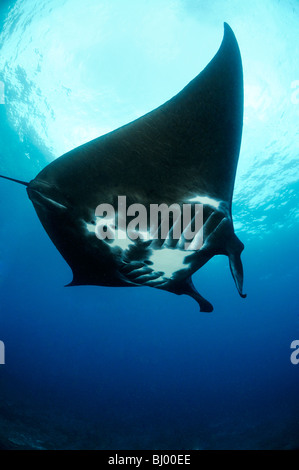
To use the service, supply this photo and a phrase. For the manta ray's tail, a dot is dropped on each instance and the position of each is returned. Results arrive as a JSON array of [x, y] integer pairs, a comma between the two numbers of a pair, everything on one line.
[[16, 181]]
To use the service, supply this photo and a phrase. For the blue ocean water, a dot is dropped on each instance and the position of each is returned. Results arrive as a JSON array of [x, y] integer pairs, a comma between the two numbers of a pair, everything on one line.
[[116, 368]]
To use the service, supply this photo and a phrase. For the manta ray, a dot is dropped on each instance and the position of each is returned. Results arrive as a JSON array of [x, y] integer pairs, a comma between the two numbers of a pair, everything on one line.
[[184, 151]]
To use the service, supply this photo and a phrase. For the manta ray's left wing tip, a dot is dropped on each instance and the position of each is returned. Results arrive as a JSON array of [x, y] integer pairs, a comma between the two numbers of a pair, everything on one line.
[[226, 26], [227, 29]]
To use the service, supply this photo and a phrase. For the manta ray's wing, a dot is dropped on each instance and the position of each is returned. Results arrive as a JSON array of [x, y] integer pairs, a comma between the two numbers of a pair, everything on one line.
[[185, 150], [187, 147]]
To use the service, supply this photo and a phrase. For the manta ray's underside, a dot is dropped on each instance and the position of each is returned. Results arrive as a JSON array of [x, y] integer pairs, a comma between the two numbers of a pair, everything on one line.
[[185, 151]]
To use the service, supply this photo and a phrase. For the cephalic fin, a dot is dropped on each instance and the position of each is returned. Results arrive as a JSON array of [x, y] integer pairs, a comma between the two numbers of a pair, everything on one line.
[[233, 247], [223, 241], [187, 287]]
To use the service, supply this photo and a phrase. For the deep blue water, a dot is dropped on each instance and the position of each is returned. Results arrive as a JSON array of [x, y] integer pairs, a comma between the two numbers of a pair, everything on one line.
[[116, 368]]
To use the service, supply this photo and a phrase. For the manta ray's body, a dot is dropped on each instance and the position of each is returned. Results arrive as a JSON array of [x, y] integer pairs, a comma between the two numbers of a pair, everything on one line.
[[184, 151]]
